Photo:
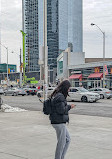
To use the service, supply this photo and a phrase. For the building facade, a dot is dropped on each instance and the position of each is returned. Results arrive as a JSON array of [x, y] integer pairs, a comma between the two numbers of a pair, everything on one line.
[[64, 29], [11, 68], [75, 25], [88, 73], [32, 38], [0, 31]]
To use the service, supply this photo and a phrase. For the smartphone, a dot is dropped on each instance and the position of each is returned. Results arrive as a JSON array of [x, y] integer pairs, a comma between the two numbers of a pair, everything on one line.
[[40, 100]]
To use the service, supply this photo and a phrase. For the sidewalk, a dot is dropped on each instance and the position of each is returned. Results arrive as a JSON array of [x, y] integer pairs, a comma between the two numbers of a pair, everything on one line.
[[28, 135]]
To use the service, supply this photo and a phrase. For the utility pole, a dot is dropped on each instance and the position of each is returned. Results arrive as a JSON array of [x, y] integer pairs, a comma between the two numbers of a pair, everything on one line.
[[20, 69], [103, 59], [92, 24], [45, 51], [7, 62]]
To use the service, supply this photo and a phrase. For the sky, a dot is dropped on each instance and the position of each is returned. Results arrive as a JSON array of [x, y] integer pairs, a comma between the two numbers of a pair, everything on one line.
[[94, 11]]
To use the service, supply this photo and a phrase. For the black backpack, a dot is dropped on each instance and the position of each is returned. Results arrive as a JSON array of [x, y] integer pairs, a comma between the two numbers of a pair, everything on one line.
[[47, 106]]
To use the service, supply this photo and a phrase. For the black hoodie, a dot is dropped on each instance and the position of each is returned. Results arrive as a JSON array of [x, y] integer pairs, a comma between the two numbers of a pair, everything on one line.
[[59, 110]]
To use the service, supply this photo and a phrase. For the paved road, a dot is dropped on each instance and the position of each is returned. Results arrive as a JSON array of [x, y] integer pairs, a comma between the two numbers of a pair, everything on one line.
[[101, 108]]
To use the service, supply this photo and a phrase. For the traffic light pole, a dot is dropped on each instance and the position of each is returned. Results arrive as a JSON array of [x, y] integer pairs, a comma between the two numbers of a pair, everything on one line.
[[20, 69], [23, 34]]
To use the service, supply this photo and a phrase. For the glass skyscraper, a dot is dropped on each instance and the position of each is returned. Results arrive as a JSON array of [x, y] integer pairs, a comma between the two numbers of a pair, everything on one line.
[[32, 38], [75, 25], [64, 29]]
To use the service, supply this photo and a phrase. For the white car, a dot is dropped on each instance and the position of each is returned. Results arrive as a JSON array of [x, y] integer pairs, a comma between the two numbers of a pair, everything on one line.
[[81, 94], [103, 92], [49, 92]]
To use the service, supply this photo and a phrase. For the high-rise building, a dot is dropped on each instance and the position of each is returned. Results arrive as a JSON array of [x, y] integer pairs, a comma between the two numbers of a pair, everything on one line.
[[75, 25], [32, 38], [64, 29], [0, 31]]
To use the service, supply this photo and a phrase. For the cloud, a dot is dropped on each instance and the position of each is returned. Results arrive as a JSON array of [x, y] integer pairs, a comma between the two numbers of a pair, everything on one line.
[[94, 11], [11, 24], [100, 13]]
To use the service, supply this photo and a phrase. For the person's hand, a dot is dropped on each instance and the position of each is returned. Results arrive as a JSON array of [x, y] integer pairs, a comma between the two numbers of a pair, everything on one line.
[[72, 106]]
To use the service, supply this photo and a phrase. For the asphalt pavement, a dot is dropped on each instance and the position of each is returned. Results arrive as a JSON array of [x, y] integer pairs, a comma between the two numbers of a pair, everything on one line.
[[29, 135], [101, 108]]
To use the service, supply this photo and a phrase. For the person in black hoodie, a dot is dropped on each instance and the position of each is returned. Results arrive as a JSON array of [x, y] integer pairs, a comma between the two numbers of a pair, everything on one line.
[[59, 117]]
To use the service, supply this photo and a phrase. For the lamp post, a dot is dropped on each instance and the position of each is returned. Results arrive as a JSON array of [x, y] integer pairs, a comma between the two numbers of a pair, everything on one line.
[[92, 24], [45, 49], [23, 42], [7, 62], [20, 67]]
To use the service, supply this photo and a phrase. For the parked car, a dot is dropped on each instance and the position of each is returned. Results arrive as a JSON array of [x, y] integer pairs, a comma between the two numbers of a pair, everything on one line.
[[103, 92], [11, 91], [31, 91], [49, 92], [81, 94], [110, 89], [22, 92]]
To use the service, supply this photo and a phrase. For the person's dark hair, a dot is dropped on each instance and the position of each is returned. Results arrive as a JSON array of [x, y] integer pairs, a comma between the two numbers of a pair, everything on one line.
[[62, 88]]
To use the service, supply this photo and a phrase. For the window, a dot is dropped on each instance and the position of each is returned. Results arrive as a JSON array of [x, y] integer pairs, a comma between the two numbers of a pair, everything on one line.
[[99, 90], [73, 90]]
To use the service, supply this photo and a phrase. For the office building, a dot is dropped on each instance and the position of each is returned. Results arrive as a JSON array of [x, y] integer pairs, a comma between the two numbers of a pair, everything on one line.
[[64, 29], [0, 31], [31, 30], [75, 25]]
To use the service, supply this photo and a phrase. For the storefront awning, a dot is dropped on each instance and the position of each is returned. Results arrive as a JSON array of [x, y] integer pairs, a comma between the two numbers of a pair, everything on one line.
[[96, 75], [76, 76]]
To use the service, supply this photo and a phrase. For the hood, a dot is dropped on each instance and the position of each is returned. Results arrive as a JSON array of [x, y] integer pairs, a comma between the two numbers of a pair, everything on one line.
[[89, 93]]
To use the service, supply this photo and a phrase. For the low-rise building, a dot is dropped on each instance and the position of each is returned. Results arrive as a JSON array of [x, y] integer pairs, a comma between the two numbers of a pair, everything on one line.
[[86, 72], [11, 68]]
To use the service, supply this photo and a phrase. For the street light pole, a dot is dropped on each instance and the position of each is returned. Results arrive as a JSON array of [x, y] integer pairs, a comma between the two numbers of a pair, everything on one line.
[[20, 69], [7, 62], [103, 59], [45, 50], [7, 67], [92, 24], [21, 66]]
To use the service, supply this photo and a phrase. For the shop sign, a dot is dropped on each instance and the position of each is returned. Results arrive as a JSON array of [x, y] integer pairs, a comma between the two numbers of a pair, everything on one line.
[[80, 79], [97, 69], [8, 70]]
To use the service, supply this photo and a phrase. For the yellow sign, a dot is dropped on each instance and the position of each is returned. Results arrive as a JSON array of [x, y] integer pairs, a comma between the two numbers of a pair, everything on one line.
[[8, 70], [97, 69], [17, 80], [111, 70]]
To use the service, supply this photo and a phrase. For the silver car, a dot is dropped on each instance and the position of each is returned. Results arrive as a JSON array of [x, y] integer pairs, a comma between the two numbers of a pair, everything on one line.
[[103, 92], [11, 91], [49, 92], [22, 92]]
